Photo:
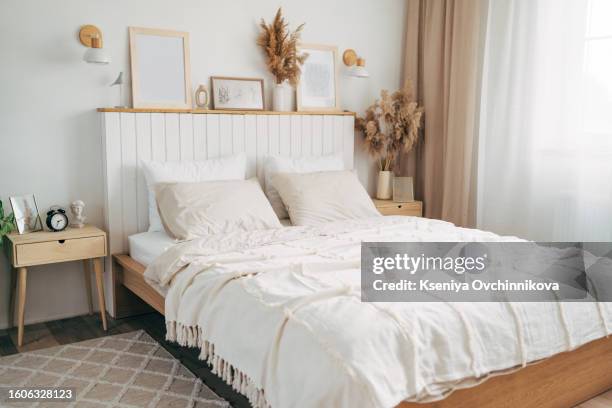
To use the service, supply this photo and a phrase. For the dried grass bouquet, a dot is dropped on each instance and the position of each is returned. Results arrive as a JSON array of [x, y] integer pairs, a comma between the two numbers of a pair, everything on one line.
[[280, 47], [391, 125]]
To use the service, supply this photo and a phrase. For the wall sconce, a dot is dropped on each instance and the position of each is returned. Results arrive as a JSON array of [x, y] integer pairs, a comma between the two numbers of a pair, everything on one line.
[[91, 36], [355, 63]]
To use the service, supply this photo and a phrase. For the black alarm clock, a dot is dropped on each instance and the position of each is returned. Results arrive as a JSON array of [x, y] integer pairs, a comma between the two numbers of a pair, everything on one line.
[[57, 220]]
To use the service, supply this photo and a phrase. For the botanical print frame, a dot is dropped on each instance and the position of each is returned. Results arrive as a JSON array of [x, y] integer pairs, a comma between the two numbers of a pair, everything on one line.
[[318, 86], [231, 93], [27, 218], [160, 68]]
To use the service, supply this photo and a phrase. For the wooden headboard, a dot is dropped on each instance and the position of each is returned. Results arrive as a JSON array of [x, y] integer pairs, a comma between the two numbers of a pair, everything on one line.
[[130, 136]]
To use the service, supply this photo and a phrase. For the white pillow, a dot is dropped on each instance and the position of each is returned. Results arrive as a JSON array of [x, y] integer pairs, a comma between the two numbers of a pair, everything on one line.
[[317, 198], [277, 164], [222, 168], [192, 210]]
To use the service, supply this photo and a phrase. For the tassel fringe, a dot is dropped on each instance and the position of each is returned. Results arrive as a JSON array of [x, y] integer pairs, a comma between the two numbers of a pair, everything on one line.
[[191, 336]]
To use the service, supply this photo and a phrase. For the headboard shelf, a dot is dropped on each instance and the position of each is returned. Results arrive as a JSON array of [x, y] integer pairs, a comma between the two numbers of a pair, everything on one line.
[[226, 112]]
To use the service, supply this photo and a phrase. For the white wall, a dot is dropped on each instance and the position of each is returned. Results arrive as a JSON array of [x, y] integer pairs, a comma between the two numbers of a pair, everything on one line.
[[48, 124]]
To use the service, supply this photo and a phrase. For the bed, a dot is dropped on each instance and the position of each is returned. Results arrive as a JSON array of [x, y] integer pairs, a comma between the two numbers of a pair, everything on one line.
[[555, 380], [581, 363]]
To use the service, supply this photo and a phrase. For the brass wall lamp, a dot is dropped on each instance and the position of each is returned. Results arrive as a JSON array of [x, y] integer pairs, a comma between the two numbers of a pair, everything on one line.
[[91, 37]]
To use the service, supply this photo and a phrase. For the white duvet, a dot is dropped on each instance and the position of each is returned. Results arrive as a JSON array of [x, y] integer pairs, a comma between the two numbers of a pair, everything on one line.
[[278, 315]]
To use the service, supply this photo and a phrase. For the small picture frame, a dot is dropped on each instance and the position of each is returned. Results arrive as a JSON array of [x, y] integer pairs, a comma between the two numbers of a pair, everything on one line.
[[318, 86], [403, 190], [229, 93], [27, 218]]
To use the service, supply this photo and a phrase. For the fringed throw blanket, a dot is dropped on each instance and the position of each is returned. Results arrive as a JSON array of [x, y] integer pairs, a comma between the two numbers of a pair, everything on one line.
[[278, 316]]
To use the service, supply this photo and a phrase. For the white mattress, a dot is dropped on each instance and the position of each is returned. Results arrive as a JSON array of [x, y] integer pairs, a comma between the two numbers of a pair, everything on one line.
[[146, 246]]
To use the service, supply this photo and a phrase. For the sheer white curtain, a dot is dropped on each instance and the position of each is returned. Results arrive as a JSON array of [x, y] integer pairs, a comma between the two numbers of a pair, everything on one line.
[[545, 140]]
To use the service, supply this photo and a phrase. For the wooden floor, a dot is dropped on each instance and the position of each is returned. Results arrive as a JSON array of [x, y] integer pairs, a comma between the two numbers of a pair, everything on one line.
[[65, 331], [42, 335]]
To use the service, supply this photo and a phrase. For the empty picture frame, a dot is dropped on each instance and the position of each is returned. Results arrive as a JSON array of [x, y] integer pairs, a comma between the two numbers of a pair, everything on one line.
[[318, 86], [26, 214], [231, 93], [161, 72]]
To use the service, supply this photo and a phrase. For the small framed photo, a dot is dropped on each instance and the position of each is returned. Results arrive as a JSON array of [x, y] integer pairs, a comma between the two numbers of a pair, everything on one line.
[[318, 87], [403, 190], [26, 214], [237, 93]]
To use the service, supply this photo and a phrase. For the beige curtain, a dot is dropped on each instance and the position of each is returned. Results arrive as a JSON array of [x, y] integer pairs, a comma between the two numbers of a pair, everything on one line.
[[443, 58]]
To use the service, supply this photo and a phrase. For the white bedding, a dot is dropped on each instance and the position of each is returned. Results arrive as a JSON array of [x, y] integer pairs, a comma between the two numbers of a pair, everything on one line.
[[144, 247], [278, 315]]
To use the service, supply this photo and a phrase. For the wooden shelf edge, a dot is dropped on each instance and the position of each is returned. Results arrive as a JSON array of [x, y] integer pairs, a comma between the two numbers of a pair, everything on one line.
[[224, 112]]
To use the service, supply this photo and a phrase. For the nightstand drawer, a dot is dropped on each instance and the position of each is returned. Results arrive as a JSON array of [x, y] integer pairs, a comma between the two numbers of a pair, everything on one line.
[[388, 207], [60, 251], [401, 210]]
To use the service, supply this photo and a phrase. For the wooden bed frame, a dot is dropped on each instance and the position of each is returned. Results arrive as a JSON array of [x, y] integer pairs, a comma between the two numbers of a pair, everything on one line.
[[562, 381]]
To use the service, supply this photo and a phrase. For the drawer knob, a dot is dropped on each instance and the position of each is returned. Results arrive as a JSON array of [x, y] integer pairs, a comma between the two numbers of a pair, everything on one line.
[[61, 241], [399, 206]]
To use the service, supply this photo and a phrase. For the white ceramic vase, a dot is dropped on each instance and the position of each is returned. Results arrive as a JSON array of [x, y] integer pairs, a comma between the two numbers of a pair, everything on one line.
[[281, 97], [384, 188]]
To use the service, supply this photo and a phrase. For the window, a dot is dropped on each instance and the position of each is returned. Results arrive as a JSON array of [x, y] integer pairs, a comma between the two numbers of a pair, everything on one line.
[[598, 69]]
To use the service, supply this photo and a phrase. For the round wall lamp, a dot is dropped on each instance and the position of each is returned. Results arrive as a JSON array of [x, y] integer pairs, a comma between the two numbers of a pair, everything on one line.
[[91, 37], [355, 63]]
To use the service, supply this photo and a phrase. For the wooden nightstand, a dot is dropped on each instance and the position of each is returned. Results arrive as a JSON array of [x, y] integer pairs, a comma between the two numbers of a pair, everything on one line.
[[42, 248], [388, 207]]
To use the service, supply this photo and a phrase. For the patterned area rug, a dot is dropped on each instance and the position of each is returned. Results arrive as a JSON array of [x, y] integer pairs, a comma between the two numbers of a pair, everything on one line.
[[126, 370]]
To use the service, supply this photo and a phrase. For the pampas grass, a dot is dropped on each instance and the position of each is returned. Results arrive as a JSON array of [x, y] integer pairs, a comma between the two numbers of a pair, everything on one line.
[[391, 125], [280, 47]]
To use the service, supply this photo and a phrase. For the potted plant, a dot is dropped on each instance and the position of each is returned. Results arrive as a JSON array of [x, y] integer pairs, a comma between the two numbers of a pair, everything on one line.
[[7, 223], [390, 126], [280, 47]]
